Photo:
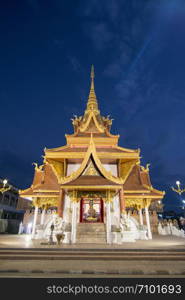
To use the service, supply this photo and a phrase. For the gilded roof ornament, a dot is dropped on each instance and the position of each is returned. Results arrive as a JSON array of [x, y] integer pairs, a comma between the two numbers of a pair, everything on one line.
[[91, 170], [38, 168], [145, 169], [92, 104]]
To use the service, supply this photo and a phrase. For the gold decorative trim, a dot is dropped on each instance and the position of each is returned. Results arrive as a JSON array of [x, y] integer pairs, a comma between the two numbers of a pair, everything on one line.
[[46, 191], [75, 140], [94, 187], [56, 149], [136, 191], [37, 167], [127, 149], [91, 170], [138, 203], [145, 169], [154, 190], [86, 124], [101, 155], [24, 191], [91, 151], [57, 167], [45, 195], [44, 202], [126, 168], [143, 196]]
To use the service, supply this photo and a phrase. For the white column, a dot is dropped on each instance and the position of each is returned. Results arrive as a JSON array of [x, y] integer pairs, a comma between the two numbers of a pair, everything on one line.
[[73, 222], [140, 216], [108, 222], [34, 222], [42, 216], [148, 223]]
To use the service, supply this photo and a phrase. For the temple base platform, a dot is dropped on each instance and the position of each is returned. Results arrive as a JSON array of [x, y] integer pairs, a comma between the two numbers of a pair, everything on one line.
[[91, 233]]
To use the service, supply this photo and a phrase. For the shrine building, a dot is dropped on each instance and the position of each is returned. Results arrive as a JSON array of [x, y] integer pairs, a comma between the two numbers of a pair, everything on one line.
[[92, 182]]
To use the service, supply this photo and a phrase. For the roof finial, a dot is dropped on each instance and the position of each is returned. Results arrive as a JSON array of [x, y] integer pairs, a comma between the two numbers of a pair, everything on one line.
[[92, 101], [92, 78], [92, 72]]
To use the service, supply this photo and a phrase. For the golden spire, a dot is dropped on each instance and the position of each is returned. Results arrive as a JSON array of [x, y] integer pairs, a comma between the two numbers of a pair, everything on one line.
[[92, 103]]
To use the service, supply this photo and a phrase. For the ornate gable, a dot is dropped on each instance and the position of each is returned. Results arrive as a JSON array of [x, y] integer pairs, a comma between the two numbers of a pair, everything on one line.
[[91, 170]]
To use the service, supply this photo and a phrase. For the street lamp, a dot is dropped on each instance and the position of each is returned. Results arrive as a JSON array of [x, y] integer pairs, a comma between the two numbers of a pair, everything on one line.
[[4, 188], [179, 191], [5, 181]]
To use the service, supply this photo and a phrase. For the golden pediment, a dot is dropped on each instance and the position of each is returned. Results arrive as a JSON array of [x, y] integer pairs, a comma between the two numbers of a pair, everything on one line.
[[91, 170]]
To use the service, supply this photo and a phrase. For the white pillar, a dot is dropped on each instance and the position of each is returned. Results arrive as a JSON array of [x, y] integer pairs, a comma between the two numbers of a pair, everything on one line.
[[34, 222], [141, 216], [148, 223], [108, 222], [73, 222], [42, 216]]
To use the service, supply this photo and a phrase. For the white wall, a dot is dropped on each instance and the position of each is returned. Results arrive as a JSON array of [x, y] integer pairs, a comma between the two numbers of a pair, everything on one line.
[[71, 168], [115, 215], [78, 212], [109, 167], [67, 209], [112, 168], [67, 214]]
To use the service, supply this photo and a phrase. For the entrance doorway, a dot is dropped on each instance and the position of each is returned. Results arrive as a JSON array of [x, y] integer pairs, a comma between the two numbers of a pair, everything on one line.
[[91, 210]]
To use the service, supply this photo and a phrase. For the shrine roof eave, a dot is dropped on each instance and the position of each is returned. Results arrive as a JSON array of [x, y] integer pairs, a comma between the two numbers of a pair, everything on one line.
[[108, 175], [99, 148], [38, 193], [153, 190], [61, 148], [95, 187], [28, 191], [140, 196], [73, 140], [136, 191], [101, 155], [41, 195], [128, 149], [97, 134]]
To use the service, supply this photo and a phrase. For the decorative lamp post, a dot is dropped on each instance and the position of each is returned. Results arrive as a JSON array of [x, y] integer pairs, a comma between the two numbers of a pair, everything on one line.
[[5, 188], [179, 191]]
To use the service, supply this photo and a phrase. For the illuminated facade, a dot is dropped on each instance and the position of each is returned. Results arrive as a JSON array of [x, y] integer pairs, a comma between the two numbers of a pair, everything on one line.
[[93, 182]]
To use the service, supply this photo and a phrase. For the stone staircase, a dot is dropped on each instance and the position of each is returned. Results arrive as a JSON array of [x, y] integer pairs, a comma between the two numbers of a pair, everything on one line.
[[91, 233]]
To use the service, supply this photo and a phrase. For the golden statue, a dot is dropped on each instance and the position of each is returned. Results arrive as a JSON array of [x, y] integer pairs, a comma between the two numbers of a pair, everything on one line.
[[91, 212]]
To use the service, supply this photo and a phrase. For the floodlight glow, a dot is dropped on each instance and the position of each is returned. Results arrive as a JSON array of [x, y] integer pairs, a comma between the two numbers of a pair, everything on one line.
[[178, 182], [5, 181]]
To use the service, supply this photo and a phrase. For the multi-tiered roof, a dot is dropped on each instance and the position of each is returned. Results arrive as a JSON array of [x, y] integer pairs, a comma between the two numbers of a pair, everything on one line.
[[89, 150]]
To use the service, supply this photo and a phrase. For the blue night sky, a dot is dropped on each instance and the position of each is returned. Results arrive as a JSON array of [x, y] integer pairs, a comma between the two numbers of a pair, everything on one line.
[[138, 50]]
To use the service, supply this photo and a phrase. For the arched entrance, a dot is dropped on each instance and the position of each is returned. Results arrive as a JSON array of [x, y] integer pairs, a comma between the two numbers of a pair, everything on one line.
[[91, 210]]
